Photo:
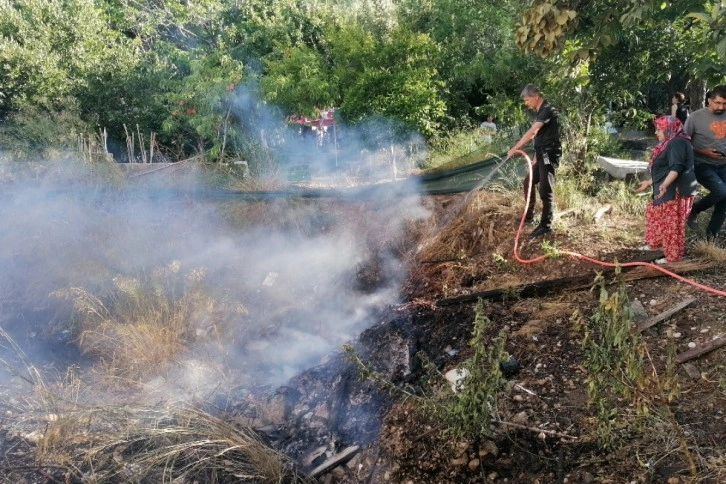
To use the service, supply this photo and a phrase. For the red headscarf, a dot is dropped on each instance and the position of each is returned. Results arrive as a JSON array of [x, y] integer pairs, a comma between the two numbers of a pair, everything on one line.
[[671, 127]]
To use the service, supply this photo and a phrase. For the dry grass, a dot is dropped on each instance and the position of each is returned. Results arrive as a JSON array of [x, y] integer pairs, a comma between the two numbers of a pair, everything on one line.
[[710, 250], [139, 326], [117, 444], [479, 222], [186, 445]]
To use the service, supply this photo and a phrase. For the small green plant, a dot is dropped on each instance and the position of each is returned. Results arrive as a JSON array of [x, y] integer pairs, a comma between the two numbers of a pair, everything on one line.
[[467, 411], [623, 393], [615, 357], [501, 262], [550, 249], [512, 293]]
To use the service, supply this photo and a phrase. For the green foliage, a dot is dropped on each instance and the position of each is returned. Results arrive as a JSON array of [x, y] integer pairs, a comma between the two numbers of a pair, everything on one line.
[[469, 412], [50, 49], [394, 76], [201, 103], [426, 67], [462, 147], [615, 358], [35, 131], [477, 58], [299, 81], [501, 261]]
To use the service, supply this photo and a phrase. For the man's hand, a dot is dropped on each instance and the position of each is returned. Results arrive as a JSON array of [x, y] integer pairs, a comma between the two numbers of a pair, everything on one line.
[[710, 152]]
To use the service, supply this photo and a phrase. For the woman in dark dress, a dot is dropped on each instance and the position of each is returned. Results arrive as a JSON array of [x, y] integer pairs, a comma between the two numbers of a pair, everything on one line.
[[674, 185]]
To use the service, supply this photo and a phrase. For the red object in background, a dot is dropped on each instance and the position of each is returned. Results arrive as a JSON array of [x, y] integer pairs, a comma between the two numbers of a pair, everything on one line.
[[326, 119]]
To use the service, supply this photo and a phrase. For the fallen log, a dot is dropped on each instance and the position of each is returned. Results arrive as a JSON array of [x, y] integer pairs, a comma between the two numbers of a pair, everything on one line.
[[701, 350], [585, 281]]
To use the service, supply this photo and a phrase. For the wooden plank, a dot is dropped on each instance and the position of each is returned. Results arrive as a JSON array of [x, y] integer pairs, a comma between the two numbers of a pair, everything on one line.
[[664, 315], [701, 350], [580, 282], [335, 460]]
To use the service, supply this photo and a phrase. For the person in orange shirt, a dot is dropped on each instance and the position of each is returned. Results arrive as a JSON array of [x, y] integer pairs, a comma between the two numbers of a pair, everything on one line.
[[707, 129]]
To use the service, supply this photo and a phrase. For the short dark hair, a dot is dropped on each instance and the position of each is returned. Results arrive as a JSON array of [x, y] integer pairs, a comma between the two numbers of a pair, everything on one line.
[[530, 90], [719, 91], [680, 97]]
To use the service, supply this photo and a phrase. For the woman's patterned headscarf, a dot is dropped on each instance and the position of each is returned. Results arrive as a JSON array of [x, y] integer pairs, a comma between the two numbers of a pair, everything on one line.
[[671, 127]]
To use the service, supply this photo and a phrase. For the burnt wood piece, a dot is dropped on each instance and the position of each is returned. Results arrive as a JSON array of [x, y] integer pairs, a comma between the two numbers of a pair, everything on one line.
[[700, 350], [664, 315], [585, 281], [338, 458]]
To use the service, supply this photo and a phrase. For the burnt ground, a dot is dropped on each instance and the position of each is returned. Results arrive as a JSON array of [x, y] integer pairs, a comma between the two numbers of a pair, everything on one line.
[[549, 429], [545, 428], [549, 392]]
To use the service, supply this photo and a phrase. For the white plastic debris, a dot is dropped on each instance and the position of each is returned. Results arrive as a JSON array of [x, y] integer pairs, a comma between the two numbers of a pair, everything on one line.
[[456, 377]]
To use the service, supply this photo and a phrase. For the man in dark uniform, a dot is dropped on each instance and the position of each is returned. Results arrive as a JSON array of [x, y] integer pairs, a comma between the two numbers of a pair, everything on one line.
[[547, 148]]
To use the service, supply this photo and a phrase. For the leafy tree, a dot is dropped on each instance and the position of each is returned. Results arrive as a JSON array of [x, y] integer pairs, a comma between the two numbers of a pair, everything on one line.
[[200, 104], [394, 76], [300, 80], [478, 57], [51, 49]]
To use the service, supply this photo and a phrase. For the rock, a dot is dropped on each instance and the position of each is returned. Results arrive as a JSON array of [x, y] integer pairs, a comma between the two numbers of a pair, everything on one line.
[[488, 447], [474, 464], [456, 377], [692, 371], [461, 461], [639, 312], [521, 418], [509, 367]]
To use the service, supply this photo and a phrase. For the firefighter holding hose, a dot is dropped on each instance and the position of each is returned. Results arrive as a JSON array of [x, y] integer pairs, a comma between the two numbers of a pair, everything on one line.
[[546, 134]]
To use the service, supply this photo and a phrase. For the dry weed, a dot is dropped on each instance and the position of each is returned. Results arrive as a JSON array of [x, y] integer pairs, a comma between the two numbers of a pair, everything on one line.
[[188, 445], [141, 325], [710, 250]]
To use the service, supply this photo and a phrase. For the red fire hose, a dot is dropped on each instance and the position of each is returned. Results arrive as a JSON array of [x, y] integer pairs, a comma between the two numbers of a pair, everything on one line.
[[579, 256]]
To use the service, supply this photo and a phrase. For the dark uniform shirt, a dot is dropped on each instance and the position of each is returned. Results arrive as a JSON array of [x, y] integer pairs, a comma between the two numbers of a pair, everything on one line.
[[548, 136]]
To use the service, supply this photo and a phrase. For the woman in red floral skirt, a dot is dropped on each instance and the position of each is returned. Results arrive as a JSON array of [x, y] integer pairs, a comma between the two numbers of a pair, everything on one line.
[[674, 185]]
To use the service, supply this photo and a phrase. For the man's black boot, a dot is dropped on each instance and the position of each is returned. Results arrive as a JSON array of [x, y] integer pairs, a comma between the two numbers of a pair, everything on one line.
[[539, 231]]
